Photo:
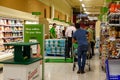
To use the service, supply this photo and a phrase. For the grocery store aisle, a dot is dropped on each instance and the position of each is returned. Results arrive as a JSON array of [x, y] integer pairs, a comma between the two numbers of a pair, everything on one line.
[[63, 71]]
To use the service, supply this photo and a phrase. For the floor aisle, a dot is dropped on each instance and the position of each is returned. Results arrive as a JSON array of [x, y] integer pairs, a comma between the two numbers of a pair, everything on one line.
[[63, 71]]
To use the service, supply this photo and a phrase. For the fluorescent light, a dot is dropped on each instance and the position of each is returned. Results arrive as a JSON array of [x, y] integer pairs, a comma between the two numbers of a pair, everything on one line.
[[84, 9], [80, 0], [83, 5], [87, 12], [92, 18]]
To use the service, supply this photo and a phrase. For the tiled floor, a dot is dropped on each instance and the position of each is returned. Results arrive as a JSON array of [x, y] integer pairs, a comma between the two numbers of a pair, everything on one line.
[[63, 71]]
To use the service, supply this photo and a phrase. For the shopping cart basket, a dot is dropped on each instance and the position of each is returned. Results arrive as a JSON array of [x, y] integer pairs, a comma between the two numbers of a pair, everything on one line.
[[112, 69]]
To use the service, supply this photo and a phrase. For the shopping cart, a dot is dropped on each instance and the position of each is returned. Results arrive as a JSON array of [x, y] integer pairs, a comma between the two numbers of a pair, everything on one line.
[[112, 69], [75, 57]]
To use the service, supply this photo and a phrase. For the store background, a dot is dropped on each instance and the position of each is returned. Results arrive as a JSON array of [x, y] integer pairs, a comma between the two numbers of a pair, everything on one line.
[[59, 11]]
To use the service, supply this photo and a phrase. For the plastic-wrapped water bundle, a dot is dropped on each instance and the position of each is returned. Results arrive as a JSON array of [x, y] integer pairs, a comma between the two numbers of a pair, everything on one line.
[[52, 49], [47, 44], [48, 50], [62, 49], [57, 47], [61, 41], [51, 41]]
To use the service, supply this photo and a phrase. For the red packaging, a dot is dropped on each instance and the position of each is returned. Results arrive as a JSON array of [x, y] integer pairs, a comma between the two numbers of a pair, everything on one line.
[[113, 7]]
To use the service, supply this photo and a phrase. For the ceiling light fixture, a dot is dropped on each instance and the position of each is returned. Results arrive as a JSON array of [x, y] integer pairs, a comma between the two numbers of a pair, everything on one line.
[[83, 5], [84, 9], [81, 0], [87, 12]]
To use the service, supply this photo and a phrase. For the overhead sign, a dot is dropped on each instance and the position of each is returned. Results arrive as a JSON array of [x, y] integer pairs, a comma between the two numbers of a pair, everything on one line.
[[36, 13]]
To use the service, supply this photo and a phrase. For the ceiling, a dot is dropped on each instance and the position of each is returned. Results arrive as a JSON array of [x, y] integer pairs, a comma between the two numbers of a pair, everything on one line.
[[91, 7]]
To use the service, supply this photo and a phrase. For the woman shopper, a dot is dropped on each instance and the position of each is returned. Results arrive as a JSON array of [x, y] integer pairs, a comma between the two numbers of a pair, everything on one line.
[[80, 36]]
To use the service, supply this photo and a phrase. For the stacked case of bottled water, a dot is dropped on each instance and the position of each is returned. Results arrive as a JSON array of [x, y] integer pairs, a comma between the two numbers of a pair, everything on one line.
[[55, 47]]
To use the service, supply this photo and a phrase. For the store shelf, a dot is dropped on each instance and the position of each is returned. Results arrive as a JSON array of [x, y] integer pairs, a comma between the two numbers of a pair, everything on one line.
[[112, 48], [12, 37], [11, 30], [114, 25], [5, 56], [11, 25], [60, 55], [109, 42], [112, 14]]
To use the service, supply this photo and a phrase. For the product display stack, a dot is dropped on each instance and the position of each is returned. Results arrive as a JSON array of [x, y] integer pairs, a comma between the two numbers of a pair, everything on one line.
[[55, 47]]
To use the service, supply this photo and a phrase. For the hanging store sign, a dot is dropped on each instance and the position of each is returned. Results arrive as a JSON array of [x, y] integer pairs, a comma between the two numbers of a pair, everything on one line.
[[36, 13]]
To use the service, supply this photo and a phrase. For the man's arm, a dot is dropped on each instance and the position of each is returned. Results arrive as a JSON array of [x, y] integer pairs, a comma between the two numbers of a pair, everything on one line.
[[73, 38], [51, 35], [88, 36]]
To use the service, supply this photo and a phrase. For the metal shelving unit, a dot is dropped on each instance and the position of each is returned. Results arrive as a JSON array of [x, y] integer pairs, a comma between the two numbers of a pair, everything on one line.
[[112, 62]]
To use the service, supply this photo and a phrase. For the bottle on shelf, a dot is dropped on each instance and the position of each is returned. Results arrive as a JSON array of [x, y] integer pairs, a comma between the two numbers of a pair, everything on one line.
[[117, 16], [112, 20]]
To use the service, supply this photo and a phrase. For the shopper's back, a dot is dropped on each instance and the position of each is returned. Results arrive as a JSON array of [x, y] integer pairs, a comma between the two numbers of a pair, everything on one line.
[[81, 37]]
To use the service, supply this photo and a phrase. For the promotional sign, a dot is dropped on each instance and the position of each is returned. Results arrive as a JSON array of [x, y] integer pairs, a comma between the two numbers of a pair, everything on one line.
[[33, 72], [35, 33]]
